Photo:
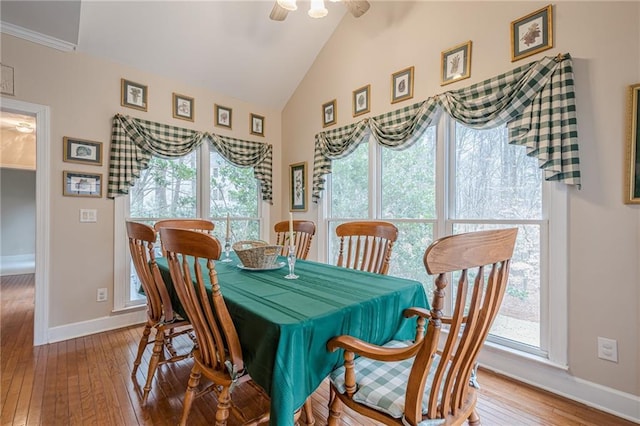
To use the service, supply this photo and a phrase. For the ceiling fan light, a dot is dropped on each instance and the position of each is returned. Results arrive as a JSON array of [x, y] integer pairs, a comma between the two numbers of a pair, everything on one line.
[[24, 128], [317, 9], [288, 4]]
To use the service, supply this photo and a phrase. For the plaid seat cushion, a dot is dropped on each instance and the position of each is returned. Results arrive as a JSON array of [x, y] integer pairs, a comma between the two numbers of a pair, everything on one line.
[[383, 385]]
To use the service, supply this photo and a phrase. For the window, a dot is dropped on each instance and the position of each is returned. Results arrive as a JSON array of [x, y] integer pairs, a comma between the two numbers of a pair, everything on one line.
[[453, 180], [186, 187]]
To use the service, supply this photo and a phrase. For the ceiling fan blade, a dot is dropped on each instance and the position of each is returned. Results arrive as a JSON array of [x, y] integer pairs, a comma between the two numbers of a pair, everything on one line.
[[357, 7], [278, 13]]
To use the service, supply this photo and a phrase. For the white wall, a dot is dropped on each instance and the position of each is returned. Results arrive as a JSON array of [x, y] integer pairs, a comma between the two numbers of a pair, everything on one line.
[[604, 40]]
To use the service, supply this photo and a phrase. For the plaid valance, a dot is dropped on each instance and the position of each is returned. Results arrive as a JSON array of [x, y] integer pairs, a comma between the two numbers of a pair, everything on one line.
[[536, 101], [134, 142]]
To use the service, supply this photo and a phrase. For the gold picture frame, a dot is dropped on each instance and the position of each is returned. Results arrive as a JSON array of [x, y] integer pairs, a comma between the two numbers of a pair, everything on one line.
[[223, 116], [455, 63], [298, 187], [183, 107], [402, 85], [329, 113], [81, 184], [632, 153], [133, 95], [361, 100], [256, 124], [81, 151], [532, 33]]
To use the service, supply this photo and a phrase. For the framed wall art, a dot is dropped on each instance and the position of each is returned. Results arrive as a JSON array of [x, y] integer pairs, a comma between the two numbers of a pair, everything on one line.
[[532, 33], [223, 116], [361, 100], [133, 95], [81, 151], [298, 187], [455, 63], [257, 124], [329, 113], [632, 163], [402, 85], [6, 81], [79, 184], [183, 107]]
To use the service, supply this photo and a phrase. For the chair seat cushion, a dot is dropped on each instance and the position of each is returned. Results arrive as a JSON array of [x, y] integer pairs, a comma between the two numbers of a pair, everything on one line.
[[383, 385]]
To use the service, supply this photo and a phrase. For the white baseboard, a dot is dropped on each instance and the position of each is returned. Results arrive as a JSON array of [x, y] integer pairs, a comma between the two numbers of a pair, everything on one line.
[[18, 264], [557, 380], [98, 325]]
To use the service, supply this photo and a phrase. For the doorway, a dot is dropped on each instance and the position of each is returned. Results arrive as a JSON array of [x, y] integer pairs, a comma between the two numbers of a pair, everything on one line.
[[39, 116]]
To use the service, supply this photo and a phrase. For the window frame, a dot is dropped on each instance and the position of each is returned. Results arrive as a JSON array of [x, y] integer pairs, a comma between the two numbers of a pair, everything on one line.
[[553, 242]]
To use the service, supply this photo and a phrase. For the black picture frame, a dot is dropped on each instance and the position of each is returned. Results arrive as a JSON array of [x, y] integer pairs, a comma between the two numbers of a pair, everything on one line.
[[298, 187]]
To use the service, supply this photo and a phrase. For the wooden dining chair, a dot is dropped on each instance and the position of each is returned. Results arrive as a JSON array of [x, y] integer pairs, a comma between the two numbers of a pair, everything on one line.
[[366, 245], [160, 315], [193, 224], [303, 232], [406, 383]]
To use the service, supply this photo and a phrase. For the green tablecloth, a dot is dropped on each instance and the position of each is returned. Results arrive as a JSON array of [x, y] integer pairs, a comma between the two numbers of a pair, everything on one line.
[[284, 325]]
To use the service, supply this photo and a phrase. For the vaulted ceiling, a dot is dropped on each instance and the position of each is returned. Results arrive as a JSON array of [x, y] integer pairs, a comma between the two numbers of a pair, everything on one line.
[[230, 47]]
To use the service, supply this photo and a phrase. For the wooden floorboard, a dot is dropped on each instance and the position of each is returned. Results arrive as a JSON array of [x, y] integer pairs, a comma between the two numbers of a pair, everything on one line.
[[87, 381]]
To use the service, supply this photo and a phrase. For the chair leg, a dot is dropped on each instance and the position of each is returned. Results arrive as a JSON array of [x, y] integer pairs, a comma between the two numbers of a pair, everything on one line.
[[308, 412], [335, 409], [144, 340], [153, 364], [474, 419], [190, 394], [224, 403]]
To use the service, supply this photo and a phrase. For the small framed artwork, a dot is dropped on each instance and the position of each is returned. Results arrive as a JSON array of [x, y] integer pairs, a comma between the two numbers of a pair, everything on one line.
[[183, 107], [6, 82], [133, 95], [455, 63], [298, 185], [632, 166], [77, 184], [361, 100], [329, 112], [402, 85], [82, 151], [223, 116], [257, 124], [532, 33]]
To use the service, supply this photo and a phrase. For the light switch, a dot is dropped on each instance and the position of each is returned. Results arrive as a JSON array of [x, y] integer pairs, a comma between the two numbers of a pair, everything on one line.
[[88, 215]]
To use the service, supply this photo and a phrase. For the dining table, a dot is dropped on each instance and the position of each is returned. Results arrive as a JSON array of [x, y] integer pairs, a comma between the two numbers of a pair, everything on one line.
[[284, 325]]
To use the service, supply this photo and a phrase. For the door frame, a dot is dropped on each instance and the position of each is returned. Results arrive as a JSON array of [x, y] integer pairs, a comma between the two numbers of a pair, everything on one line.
[[43, 208]]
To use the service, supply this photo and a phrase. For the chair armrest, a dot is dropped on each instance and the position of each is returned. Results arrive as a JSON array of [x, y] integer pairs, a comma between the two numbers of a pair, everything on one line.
[[419, 312], [356, 346]]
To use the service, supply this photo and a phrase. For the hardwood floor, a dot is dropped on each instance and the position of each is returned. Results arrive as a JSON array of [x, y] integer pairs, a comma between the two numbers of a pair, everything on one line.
[[86, 381]]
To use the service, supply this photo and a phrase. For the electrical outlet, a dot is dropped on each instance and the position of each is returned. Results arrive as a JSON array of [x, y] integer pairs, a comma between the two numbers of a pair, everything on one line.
[[102, 295], [608, 349]]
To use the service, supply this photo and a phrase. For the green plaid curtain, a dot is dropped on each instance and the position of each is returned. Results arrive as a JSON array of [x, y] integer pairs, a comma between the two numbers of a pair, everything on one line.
[[536, 101], [135, 141]]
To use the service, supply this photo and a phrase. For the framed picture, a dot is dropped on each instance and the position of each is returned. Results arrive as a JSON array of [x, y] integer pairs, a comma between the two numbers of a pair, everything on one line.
[[257, 125], [81, 151], [6, 82], [298, 185], [133, 95], [632, 166], [78, 184], [532, 33], [329, 112], [183, 107], [402, 85], [223, 116], [361, 100], [455, 63]]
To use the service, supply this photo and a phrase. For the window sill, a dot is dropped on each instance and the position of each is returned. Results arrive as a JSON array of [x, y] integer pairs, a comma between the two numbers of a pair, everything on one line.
[[126, 309]]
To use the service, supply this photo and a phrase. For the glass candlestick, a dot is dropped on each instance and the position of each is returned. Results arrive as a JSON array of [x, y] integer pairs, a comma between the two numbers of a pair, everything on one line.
[[227, 249], [291, 260]]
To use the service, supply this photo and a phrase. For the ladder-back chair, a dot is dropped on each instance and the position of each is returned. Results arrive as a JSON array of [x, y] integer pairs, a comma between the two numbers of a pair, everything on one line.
[[160, 315], [406, 383], [366, 245], [303, 232]]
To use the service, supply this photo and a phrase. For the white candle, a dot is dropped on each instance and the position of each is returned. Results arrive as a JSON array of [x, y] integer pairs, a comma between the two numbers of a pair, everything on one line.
[[290, 229], [228, 227]]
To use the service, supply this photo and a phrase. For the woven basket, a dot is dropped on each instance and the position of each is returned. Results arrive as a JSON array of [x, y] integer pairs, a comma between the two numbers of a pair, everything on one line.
[[257, 254]]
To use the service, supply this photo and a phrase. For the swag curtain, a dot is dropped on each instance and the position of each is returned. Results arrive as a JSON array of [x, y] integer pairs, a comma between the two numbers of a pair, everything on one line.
[[536, 101], [134, 142]]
